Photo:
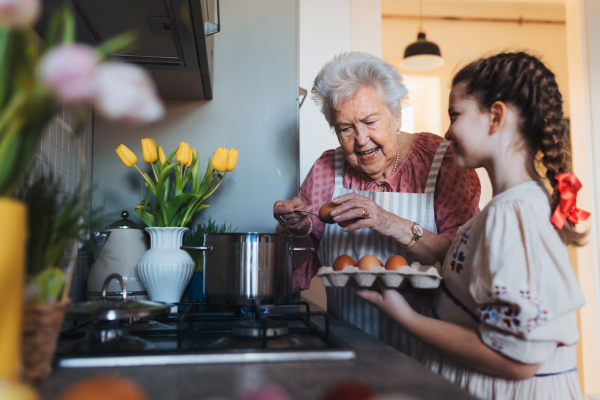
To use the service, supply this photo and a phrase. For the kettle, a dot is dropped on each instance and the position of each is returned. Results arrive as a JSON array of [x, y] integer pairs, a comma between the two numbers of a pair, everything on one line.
[[118, 250]]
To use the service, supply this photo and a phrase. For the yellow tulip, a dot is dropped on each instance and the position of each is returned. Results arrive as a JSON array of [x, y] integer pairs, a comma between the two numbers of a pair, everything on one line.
[[126, 155], [149, 150], [220, 159], [183, 154], [161, 154], [233, 158], [192, 154]]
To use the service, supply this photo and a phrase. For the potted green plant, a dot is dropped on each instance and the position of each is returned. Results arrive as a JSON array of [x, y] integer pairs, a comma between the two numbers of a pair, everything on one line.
[[57, 222], [178, 189], [195, 237]]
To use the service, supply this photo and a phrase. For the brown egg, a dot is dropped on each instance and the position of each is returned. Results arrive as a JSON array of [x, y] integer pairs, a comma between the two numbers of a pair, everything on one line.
[[342, 261], [325, 210], [105, 388], [395, 262], [368, 262]]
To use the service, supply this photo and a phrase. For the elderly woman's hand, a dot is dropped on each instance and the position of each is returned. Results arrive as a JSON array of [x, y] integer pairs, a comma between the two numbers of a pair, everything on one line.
[[359, 212], [283, 212]]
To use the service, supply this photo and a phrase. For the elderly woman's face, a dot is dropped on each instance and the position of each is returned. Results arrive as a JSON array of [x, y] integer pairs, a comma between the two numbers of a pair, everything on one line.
[[366, 129]]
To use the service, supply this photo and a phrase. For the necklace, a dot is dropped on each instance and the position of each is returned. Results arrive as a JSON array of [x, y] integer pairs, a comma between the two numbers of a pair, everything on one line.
[[397, 156]]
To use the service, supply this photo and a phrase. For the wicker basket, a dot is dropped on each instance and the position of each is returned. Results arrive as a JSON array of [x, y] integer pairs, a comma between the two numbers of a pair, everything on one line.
[[41, 326]]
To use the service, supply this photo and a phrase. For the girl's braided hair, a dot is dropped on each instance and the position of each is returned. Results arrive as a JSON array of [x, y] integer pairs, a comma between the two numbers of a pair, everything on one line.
[[523, 81]]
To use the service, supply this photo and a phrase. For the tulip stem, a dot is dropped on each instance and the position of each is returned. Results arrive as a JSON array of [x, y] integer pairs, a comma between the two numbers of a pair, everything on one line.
[[144, 176], [155, 176]]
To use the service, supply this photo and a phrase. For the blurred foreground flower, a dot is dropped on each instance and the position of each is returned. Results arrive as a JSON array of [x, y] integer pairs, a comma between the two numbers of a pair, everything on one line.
[[126, 92], [18, 13], [70, 72], [265, 393]]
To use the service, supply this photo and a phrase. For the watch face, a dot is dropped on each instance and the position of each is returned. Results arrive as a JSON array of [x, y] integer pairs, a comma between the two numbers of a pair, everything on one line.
[[417, 230]]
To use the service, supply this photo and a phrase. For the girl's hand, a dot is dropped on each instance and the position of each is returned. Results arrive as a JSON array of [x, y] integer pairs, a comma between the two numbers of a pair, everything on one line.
[[351, 216], [283, 212], [388, 301]]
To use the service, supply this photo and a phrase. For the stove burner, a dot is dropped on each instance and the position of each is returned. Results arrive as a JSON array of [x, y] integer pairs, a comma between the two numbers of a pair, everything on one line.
[[261, 328]]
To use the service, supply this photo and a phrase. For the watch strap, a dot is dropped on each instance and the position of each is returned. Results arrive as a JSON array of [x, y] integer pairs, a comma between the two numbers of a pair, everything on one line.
[[414, 239]]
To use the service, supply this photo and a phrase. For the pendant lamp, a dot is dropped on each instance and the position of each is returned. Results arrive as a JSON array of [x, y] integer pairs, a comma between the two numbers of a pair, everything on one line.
[[422, 54]]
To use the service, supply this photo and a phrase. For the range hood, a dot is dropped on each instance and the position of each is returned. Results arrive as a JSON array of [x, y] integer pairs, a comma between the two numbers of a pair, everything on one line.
[[174, 39]]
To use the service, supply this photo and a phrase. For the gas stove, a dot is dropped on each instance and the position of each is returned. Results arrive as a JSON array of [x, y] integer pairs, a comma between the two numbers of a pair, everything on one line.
[[199, 333]]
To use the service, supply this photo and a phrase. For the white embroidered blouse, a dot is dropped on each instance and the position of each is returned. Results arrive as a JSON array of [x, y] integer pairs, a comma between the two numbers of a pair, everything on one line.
[[508, 275]]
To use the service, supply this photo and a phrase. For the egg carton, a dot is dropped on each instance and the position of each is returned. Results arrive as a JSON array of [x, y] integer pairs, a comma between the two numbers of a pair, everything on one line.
[[420, 276]]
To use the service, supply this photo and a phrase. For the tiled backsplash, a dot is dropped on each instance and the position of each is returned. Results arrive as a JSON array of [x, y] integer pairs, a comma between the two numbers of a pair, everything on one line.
[[58, 154]]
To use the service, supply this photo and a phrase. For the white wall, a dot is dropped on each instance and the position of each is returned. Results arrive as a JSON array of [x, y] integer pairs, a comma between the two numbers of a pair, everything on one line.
[[255, 110], [583, 38], [328, 28], [461, 42]]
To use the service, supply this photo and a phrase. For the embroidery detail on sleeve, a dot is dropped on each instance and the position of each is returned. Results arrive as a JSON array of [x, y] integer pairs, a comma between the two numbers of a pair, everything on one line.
[[507, 316], [458, 257], [541, 314], [496, 346]]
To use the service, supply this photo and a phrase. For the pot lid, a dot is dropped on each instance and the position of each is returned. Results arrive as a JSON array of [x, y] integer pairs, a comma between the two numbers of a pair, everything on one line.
[[112, 310], [124, 223]]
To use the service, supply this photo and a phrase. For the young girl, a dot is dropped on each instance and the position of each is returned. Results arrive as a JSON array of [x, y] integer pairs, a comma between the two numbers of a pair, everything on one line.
[[504, 322]]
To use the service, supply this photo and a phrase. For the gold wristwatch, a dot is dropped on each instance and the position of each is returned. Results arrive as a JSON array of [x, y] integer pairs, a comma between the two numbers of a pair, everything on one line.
[[417, 234]]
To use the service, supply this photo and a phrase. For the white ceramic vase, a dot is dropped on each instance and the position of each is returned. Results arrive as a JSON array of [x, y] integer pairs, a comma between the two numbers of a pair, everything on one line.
[[165, 269]]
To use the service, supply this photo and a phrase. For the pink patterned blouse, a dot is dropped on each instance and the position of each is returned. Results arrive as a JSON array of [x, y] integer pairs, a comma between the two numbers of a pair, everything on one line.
[[456, 196]]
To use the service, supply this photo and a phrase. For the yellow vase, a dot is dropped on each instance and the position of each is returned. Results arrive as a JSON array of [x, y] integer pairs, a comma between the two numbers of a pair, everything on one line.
[[13, 241]]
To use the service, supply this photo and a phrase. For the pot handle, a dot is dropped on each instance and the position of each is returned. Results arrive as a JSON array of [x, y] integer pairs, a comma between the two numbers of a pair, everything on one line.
[[293, 249], [208, 248]]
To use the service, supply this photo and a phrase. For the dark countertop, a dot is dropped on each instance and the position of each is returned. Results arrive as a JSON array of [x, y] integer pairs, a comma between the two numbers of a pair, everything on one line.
[[389, 372]]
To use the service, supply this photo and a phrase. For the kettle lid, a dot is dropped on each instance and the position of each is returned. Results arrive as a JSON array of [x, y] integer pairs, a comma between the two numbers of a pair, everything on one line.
[[124, 223]]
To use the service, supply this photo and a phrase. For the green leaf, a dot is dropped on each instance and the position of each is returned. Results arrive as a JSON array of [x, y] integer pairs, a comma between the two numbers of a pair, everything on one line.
[[173, 205], [192, 211], [145, 216], [178, 189], [68, 33], [124, 41], [173, 152], [196, 176], [5, 65], [209, 176], [160, 188], [148, 180]]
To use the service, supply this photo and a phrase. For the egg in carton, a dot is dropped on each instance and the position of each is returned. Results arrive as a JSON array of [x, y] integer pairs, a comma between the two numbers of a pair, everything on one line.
[[420, 276]]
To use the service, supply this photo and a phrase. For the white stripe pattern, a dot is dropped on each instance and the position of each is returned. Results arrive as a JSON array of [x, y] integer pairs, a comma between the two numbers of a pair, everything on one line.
[[417, 207]]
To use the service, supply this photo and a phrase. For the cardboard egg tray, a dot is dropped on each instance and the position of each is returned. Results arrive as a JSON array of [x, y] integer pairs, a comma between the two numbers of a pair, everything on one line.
[[420, 276]]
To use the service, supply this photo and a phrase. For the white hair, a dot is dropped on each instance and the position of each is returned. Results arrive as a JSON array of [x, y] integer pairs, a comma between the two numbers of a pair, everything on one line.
[[347, 73]]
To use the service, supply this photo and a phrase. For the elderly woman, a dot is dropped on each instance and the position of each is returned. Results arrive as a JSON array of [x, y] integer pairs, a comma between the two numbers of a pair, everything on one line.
[[383, 176]]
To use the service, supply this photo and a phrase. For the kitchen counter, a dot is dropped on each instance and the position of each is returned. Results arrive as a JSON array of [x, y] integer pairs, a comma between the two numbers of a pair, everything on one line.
[[386, 370]]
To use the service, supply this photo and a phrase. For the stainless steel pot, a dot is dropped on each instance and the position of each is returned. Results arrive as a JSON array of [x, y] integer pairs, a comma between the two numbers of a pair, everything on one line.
[[248, 268]]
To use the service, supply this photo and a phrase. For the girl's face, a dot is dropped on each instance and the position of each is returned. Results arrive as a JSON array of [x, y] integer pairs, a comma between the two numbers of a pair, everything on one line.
[[366, 129], [469, 129]]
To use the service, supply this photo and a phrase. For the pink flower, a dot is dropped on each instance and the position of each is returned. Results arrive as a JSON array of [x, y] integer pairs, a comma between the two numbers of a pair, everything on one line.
[[17, 13], [126, 92], [69, 71]]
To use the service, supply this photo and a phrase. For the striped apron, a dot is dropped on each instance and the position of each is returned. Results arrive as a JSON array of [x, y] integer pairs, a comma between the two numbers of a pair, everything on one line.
[[341, 301]]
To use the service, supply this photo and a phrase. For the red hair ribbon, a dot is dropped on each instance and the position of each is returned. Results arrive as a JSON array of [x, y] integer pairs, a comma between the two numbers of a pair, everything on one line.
[[568, 185]]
